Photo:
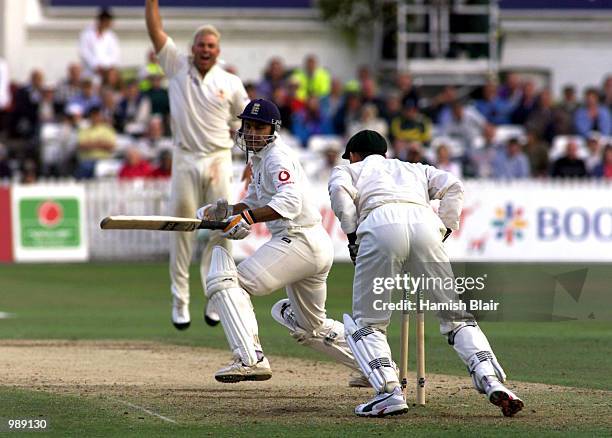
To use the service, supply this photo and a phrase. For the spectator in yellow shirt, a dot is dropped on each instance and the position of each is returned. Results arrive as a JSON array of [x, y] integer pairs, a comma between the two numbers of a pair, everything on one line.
[[96, 142], [313, 81]]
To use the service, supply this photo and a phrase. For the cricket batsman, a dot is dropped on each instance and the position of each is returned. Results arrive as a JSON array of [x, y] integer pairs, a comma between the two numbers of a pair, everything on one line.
[[384, 208], [205, 101], [298, 256]]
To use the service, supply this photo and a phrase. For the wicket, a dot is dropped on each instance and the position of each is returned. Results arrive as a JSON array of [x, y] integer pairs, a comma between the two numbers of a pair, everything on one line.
[[420, 349]]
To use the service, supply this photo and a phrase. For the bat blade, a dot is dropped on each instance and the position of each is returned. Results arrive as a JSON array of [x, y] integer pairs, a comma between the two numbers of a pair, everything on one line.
[[158, 223]]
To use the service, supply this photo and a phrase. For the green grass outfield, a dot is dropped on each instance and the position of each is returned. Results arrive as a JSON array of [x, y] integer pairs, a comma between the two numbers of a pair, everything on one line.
[[131, 301]]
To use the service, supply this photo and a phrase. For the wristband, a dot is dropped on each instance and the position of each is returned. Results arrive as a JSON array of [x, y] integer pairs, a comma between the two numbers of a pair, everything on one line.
[[248, 216]]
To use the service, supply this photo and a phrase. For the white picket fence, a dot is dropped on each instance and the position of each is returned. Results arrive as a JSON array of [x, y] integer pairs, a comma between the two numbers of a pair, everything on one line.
[[139, 197]]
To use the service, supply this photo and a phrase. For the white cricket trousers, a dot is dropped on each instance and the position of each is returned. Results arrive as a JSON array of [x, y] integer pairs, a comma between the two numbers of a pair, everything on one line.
[[196, 180], [397, 239], [299, 260]]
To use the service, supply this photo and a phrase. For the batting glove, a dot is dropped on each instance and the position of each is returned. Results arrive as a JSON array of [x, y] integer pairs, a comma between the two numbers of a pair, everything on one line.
[[239, 226], [353, 247], [214, 212]]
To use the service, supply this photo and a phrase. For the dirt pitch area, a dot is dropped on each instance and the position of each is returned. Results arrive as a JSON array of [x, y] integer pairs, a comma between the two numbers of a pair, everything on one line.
[[176, 384]]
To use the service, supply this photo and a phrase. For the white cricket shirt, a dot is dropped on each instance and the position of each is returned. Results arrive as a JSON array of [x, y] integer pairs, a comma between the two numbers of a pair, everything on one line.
[[203, 109], [98, 50], [357, 189], [279, 182]]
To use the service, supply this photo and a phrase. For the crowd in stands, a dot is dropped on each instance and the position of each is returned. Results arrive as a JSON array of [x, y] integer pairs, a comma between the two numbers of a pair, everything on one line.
[[101, 121]]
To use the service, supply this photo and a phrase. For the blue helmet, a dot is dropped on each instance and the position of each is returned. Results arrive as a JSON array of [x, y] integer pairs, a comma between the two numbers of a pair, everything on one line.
[[263, 111]]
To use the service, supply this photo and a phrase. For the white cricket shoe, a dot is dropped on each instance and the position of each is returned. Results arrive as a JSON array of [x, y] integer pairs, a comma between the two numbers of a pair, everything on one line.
[[384, 404], [211, 317], [236, 371], [359, 381], [180, 314], [501, 396]]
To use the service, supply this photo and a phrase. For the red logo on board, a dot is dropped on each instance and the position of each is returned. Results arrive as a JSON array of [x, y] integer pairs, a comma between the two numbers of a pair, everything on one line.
[[50, 213], [283, 175]]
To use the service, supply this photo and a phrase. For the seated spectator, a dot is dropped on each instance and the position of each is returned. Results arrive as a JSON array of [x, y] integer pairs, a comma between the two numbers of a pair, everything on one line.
[[70, 87], [594, 156], [440, 103], [444, 162], [511, 90], [274, 77], [310, 121], [348, 113], [537, 153], [369, 120], [150, 69], [569, 165], [331, 104], [133, 111], [112, 80], [47, 108], [526, 104], [154, 140], [546, 121], [312, 80], [493, 107], [393, 108], [135, 166], [411, 125], [510, 162], [164, 167], [479, 162], [251, 90], [607, 92], [96, 142], [462, 123], [569, 101], [592, 116], [410, 151], [25, 121], [5, 168], [604, 168], [369, 95], [57, 151], [406, 89], [281, 99], [108, 105], [158, 97], [86, 98]]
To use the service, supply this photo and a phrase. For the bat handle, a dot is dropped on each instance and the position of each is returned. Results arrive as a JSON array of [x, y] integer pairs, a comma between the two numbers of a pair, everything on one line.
[[212, 225]]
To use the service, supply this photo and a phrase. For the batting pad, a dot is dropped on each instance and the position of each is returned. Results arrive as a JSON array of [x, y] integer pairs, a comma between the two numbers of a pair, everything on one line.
[[233, 305], [372, 352]]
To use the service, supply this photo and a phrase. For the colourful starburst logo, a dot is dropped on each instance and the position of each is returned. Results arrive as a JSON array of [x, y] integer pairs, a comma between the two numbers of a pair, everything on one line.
[[509, 223]]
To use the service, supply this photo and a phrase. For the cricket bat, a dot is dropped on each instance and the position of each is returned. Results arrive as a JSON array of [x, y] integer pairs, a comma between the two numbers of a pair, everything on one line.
[[159, 223]]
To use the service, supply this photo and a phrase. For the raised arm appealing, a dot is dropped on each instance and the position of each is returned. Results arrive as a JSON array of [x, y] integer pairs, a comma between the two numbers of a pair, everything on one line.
[[154, 25]]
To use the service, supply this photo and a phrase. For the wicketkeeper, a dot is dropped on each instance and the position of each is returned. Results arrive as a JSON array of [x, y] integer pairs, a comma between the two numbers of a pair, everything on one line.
[[298, 256], [384, 208]]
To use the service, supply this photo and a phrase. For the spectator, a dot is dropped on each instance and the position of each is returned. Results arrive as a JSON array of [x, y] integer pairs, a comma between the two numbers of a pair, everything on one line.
[[369, 95], [5, 167], [511, 90], [96, 142], [569, 165], [251, 90], [25, 117], [135, 166], [158, 97], [108, 105], [462, 123], [99, 46], [29, 171], [369, 120], [331, 104], [133, 111], [87, 97], [312, 80], [592, 116], [537, 153], [440, 103], [164, 168], [510, 162], [406, 88], [594, 156], [393, 107], [607, 92], [47, 106], [493, 107], [410, 125], [5, 94], [150, 69], [70, 87], [364, 74], [410, 151], [274, 77], [526, 105], [444, 162], [478, 163], [569, 102], [349, 113], [310, 121], [113, 81], [57, 152], [154, 140], [604, 169], [547, 121], [281, 100]]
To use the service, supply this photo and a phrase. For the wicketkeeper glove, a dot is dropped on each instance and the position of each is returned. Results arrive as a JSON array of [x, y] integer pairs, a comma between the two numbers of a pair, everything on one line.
[[353, 247], [239, 226], [218, 211]]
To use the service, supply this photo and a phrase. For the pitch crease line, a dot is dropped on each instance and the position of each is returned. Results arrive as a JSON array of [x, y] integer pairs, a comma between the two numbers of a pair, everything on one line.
[[169, 420]]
